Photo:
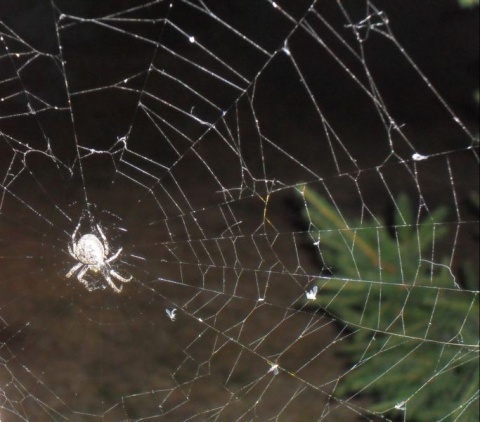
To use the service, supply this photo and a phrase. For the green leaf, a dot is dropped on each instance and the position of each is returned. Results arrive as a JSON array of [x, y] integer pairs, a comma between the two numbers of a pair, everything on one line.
[[414, 332]]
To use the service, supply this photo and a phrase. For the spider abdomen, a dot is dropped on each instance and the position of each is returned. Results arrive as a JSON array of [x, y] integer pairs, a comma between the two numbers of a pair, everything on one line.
[[89, 250]]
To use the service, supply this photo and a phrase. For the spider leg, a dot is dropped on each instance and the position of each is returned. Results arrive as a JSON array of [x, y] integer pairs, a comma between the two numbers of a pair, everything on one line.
[[119, 277], [112, 284], [73, 269], [114, 256], [74, 235], [105, 241], [71, 251], [80, 275]]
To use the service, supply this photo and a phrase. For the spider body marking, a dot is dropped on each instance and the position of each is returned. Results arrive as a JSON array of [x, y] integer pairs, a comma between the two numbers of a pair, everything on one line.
[[92, 254]]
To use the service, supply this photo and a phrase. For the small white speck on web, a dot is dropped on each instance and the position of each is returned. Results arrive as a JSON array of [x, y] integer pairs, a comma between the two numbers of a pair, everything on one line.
[[171, 313], [191, 38], [419, 157], [312, 294], [274, 369], [286, 50]]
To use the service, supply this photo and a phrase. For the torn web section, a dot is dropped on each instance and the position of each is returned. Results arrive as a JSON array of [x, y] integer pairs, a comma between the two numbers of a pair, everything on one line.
[[354, 41]]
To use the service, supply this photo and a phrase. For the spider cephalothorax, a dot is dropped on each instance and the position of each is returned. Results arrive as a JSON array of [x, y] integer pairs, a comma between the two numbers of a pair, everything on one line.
[[92, 254]]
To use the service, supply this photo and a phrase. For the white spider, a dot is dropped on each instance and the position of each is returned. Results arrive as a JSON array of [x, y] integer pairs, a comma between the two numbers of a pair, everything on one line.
[[92, 254]]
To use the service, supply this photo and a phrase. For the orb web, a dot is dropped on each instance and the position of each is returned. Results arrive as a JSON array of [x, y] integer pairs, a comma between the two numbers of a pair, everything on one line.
[[293, 190]]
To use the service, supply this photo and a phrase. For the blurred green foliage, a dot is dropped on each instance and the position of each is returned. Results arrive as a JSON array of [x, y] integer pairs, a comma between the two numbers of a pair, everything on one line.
[[414, 332], [468, 3]]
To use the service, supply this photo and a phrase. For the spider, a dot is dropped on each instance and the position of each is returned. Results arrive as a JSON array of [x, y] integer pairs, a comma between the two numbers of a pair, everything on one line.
[[92, 254]]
